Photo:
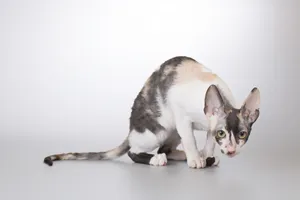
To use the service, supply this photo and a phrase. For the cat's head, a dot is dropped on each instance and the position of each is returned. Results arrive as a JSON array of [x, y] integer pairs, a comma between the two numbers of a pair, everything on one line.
[[231, 127]]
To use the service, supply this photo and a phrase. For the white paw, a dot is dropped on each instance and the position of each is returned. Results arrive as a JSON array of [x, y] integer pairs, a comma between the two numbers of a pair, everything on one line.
[[159, 160], [196, 162]]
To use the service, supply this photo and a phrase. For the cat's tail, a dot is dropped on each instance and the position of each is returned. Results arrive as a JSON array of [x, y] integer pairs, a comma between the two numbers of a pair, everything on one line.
[[110, 154]]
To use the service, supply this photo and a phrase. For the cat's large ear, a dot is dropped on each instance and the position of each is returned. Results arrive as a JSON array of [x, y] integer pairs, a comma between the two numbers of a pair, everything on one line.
[[250, 108], [214, 104]]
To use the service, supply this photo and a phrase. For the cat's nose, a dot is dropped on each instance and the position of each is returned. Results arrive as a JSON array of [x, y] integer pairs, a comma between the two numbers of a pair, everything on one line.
[[230, 150]]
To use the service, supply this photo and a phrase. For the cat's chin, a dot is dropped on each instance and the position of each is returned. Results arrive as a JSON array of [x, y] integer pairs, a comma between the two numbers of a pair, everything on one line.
[[231, 155]]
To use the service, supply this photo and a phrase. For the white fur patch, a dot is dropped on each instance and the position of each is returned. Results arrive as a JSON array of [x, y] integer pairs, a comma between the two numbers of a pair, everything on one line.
[[159, 160], [143, 142]]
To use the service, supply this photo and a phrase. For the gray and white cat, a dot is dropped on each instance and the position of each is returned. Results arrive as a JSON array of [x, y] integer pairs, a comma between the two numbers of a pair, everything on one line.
[[178, 98]]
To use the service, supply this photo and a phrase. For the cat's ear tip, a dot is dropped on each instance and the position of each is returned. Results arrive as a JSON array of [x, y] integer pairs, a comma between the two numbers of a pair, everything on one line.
[[212, 87]]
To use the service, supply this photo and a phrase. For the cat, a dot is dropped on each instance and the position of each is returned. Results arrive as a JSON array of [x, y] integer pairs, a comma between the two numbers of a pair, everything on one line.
[[181, 96]]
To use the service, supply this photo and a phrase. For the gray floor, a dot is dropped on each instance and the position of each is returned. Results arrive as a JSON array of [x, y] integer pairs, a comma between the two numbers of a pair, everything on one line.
[[249, 176]]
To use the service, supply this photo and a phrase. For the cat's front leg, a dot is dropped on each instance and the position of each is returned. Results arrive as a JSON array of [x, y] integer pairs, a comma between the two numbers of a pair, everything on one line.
[[188, 141], [209, 148]]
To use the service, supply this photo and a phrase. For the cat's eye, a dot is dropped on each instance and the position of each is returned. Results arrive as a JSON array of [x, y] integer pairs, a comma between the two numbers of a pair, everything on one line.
[[242, 134], [221, 134]]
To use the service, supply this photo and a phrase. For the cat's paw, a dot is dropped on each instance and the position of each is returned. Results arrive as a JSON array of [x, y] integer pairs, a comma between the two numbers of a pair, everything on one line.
[[212, 161], [196, 161], [159, 160]]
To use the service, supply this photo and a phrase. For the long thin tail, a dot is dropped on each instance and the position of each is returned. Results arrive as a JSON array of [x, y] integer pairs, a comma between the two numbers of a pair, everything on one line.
[[110, 154]]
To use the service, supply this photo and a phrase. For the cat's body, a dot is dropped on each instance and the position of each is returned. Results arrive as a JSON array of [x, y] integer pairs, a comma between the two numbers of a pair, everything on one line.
[[179, 97]]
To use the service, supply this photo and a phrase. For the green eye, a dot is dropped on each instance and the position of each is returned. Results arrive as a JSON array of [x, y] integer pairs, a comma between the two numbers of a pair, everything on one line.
[[221, 134], [242, 134]]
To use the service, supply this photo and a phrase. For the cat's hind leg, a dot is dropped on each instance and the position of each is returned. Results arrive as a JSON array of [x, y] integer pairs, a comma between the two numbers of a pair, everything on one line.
[[149, 159], [144, 143], [170, 148]]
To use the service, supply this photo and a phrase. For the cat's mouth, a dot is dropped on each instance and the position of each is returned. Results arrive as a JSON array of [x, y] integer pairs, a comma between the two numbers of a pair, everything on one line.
[[230, 154]]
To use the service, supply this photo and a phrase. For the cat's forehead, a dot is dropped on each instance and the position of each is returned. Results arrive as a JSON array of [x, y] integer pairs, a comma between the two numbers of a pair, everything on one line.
[[234, 121]]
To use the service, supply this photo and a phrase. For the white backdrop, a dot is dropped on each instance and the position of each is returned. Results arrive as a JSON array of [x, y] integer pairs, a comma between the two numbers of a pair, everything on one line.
[[73, 68]]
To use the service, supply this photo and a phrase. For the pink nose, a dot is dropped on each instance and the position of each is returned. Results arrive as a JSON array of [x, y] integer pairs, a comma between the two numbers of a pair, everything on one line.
[[231, 150]]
